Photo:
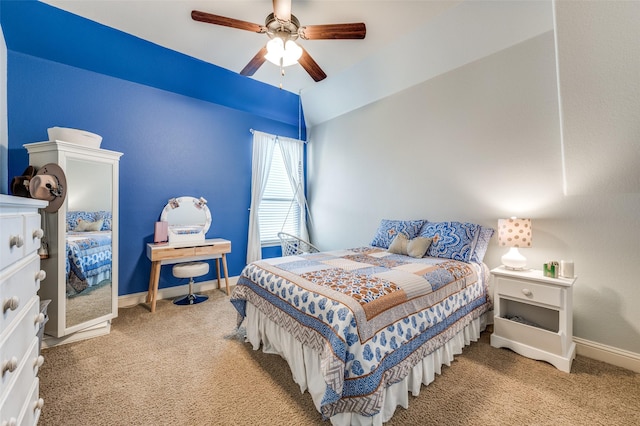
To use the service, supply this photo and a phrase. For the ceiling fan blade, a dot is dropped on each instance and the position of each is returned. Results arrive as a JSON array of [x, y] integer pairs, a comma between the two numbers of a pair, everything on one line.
[[282, 9], [311, 66], [255, 63], [356, 30], [210, 18]]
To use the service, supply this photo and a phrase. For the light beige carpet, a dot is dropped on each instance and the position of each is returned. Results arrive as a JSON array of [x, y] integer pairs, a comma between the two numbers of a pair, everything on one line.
[[186, 365]]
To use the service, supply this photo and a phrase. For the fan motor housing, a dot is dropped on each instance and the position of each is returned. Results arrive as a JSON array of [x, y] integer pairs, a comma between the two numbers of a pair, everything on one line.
[[287, 30]]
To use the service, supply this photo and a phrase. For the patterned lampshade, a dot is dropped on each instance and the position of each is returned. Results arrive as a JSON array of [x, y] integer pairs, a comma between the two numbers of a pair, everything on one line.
[[514, 232]]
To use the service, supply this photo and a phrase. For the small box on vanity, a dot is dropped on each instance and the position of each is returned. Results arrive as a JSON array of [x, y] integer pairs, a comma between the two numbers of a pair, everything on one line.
[[161, 234]]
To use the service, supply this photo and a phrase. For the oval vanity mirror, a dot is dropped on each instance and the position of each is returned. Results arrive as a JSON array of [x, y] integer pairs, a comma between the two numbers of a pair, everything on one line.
[[188, 219]]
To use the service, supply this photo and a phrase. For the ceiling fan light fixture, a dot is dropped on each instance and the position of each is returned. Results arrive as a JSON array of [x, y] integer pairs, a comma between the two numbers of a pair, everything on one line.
[[278, 50], [283, 28], [292, 50]]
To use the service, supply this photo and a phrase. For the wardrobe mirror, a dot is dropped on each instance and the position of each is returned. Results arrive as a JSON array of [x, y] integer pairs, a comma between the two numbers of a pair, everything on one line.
[[89, 291], [188, 218]]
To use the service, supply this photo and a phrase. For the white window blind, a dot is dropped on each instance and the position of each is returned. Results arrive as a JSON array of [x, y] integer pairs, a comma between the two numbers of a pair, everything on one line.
[[278, 203]]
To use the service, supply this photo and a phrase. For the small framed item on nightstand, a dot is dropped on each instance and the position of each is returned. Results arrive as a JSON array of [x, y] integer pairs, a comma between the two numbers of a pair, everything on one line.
[[533, 316]]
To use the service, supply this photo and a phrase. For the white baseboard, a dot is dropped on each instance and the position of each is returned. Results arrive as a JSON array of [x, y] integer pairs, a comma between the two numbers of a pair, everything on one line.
[[129, 300], [608, 354]]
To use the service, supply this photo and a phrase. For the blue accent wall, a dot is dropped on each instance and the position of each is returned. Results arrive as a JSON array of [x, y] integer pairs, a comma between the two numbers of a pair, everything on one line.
[[46, 32], [175, 141]]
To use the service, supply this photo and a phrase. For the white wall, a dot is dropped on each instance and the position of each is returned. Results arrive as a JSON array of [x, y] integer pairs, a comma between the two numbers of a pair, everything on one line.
[[599, 69], [484, 142], [600, 89], [478, 143]]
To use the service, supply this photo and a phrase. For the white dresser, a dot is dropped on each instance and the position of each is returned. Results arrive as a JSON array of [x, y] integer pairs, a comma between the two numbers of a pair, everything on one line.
[[20, 276]]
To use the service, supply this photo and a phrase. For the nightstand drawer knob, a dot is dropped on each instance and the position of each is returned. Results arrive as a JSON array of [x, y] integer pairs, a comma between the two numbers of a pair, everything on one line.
[[527, 292]]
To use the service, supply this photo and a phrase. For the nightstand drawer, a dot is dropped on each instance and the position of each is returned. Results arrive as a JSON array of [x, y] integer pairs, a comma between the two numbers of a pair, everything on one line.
[[529, 291]]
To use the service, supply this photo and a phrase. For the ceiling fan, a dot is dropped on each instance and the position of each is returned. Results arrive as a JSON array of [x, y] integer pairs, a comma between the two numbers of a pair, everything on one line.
[[283, 29]]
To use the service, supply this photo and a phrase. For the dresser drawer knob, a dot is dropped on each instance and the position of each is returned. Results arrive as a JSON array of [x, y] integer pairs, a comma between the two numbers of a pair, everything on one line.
[[38, 362], [39, 319], [41, 275], [527, 292], [38, 404], [16, 241], [11, 303], [38, 233], [10, 365]]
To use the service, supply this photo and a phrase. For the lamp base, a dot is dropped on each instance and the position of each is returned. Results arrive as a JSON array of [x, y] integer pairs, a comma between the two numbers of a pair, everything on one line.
[[524, 268], [513, 260]]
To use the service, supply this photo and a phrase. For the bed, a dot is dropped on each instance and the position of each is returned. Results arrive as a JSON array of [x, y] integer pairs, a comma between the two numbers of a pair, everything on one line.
[[88, 250], [362, 328]]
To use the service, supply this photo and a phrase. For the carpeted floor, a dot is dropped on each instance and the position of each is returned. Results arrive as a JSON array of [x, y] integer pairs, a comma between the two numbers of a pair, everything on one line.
[[187, 365]]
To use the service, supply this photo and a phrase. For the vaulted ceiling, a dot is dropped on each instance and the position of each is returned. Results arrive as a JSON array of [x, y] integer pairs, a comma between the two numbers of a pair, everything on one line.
[[169, 24], [406, 43]]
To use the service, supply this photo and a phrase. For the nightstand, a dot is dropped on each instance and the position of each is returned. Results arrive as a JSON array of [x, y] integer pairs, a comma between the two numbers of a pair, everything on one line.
[[533, 316]]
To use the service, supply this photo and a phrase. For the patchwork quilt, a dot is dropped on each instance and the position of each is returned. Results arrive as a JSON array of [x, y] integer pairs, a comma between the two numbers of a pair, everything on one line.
[[88, 253], [370, 314]]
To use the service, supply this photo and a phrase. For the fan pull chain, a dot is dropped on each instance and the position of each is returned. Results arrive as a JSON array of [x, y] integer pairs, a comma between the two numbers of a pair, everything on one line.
[[281, 73]]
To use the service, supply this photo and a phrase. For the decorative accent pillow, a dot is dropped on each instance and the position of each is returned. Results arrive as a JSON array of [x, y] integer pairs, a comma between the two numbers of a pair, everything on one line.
[[389, 229], [483, 244], [451, 240], [84, 225], [415, 247], [74, 216]]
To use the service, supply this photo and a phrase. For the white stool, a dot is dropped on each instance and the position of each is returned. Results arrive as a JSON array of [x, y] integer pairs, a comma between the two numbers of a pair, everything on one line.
[[190, 270]]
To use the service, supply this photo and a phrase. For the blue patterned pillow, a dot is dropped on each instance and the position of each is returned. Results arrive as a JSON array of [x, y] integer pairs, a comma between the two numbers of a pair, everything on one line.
[[106, 217], [483, 244], [451, 240], [389, 229], [72, 218]]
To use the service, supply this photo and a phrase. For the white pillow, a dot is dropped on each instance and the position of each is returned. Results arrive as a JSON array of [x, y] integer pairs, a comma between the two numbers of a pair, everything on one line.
[[85, 225]]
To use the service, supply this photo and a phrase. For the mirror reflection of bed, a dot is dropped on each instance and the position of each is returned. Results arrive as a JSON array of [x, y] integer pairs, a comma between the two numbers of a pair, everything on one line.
[[88, 243]]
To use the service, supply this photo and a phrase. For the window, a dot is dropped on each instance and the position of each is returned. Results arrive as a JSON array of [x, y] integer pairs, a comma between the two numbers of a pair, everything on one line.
[[279, 210], [275, 205]]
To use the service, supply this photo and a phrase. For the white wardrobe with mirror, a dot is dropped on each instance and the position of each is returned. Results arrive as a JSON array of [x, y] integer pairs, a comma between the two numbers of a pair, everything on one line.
[[82, 236]]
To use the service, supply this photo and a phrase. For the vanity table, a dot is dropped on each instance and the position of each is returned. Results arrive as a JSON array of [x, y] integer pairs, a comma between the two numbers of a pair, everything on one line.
[[187, 221], [171, 253]]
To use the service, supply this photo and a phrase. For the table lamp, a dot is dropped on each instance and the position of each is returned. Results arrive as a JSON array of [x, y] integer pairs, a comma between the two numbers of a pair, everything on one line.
[[514, 233]]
